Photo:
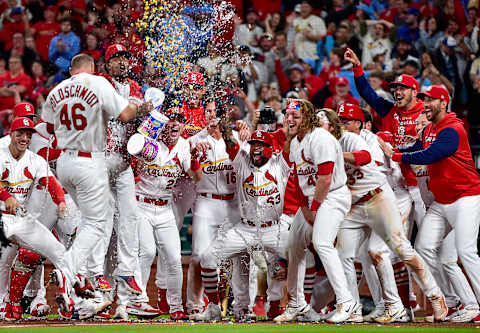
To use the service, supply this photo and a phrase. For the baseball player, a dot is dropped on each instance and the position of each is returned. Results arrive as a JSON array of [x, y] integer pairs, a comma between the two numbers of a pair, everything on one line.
[[184, 194], [319, 164], [75, 110], [262, 179], [154, 192], [444, 149], [22, 170], [216, 201]]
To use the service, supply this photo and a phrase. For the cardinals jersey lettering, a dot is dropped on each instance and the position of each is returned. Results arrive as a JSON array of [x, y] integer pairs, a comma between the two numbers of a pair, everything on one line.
[[76, 109], [317, 147], [218, 174], [261, 190], [421, 171], [18, 177], [158, 178], [364, 178]]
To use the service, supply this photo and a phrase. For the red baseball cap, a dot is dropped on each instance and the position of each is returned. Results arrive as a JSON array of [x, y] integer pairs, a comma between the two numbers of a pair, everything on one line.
[[436, 92], [386, 136], [22, 123], [342, 81], [195, 78], [350, 111], [261, 136], [23, 110], [116, 50], [406, 81]]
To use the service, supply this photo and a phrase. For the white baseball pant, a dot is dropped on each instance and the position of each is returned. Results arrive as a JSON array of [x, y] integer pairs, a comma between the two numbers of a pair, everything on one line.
[[208, 216], [327, 224], [463, 217]]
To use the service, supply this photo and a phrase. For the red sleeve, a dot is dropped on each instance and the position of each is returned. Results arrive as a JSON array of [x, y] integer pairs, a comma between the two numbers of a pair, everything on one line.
[[357, 71], [278, 138], [397, 157], [50, 128], [53, 153], [54, 188], [283, 81], [4, 195], [408, 173], [362, 157], [325, 168], [232, 153]]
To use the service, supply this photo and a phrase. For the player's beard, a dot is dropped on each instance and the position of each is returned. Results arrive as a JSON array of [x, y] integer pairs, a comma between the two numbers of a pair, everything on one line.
[[259, 159]]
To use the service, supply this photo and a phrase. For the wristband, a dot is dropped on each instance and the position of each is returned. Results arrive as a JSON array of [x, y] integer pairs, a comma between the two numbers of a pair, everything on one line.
[[315, 205], [4, 195], [195, 165]]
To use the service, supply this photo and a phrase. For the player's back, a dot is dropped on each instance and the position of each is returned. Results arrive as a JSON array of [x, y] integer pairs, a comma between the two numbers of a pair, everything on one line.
[[77, 106]]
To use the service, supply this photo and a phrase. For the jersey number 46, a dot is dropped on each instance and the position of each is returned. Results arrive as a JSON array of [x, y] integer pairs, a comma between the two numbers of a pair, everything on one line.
[[71, 117]]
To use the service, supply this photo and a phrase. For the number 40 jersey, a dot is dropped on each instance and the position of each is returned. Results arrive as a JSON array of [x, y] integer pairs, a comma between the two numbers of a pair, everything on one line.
[[360, 179]]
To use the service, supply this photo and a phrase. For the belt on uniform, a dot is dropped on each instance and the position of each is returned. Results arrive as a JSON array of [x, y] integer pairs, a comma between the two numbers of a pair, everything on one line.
[[81, 153], [369, 195], [152, 201], [5, 212], [259, 224], [218, 196]]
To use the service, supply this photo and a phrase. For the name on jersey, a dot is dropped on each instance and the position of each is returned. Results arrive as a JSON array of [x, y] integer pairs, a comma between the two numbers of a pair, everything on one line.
[[209, 168], [308, 171], [259, 191], [161, 171], [74, 91]]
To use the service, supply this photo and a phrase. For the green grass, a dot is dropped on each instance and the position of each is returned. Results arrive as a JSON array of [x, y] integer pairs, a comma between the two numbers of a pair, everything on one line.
[[242, 328]]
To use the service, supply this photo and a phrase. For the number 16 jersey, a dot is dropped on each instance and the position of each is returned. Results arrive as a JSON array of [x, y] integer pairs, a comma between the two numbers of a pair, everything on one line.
[[78, 108]]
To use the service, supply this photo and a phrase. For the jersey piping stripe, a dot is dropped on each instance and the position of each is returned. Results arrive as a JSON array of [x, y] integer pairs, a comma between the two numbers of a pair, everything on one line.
[[213, 163], [256, 188], [158, 167], [3, 183]]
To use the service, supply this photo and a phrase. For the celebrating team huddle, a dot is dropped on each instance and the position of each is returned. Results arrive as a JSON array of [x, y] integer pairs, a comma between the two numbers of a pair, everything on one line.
[[311, 199]]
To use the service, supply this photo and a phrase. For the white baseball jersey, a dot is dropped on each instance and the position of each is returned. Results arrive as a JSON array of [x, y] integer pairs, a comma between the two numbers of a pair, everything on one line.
[[317, 147], [261, 190], [158, 178], [375, 150], [5, 141], [363, 178], [18, 177], [218, 174], [76, 109]]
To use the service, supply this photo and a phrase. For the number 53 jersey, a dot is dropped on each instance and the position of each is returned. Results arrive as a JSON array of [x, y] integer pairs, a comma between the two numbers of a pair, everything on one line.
[[79, 108], [360, 179], [261, 190]]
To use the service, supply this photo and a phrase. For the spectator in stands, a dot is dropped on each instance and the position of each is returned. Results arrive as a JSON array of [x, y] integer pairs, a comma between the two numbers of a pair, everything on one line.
[[275, 23], [341, 10], [14, 83], [432, 74], [92, 48], [280, 50], [253, 72], [294, 80], [45, 30], [18, 47], [374, 37], [308, 29], [3, 65], [410, 31], [39, 80], [345, 36], [404, 51], [430, 35], [17, 21], [248, 33], [331, 68], [64, 46], [267, 55], [313, 82], [213, 63], [342, 94]]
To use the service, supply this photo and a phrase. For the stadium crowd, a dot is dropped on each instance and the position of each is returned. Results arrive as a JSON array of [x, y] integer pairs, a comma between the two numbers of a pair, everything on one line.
[[269, 59]]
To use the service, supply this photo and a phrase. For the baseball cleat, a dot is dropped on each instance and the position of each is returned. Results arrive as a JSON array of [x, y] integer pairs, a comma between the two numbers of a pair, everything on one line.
[[244, 315], [143, 310], [102, 284], [377, 312], [39, 311], [440, 309], [465, 315], [452, 312], [392, 315], [311, 317], [274, 309], [91, 308], [356, 316], [121, 313], [65, 303], [259, 307], [83, 287], [14, 312], [212, 313], [343, 312], [130, 284], [178, 315], [476, 319], [291, 313], [104, 315]]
